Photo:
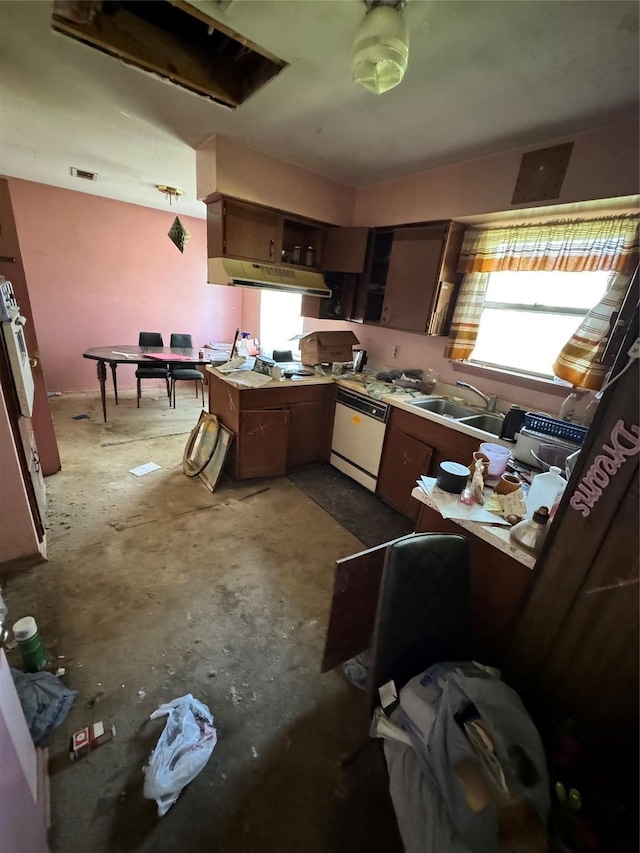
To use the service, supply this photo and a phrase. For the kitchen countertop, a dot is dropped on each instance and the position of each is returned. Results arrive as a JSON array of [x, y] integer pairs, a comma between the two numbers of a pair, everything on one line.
[[497, 536], [274, 383], [401, 401]]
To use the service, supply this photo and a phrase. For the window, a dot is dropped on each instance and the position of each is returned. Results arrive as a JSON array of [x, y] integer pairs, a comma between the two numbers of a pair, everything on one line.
[[528, 317], [280, 320]]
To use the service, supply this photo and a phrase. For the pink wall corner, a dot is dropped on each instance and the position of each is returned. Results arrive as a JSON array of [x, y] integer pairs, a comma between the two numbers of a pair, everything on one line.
[[18, 536], [603, 164], [14, 271], [206, 168], [250, 312], [245, 173], [100, 271]]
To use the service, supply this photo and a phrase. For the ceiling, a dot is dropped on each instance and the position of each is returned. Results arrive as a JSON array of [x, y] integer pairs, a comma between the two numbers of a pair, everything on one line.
[[483, 76]]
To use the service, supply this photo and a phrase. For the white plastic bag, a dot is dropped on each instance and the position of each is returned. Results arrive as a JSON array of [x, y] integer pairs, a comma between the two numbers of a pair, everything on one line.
[[183, 749]]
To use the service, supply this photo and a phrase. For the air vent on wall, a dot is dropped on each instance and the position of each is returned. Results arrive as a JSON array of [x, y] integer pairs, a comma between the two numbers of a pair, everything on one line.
[[82, 173]]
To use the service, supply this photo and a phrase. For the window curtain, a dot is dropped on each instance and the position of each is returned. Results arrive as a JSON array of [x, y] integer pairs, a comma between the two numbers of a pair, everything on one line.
[[608, 244], [579, 359]]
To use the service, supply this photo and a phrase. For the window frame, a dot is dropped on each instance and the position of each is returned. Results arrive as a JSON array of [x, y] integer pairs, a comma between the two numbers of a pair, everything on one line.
[[537, 308]]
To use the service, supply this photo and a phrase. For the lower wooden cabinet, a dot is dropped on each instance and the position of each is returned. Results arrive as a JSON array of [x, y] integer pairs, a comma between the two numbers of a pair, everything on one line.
[[263, 439], [276, 429], [405, 459], [415, 446], [307, 434]]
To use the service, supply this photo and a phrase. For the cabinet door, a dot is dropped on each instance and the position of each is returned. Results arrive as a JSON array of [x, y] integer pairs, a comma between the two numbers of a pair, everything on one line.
[[353, 609], [308, 434], [344, 249], [414, 269], [252, 232], [404, 460], [262, 443]]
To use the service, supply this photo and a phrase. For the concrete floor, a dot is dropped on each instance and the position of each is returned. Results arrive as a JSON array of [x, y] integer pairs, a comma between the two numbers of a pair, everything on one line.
[[156, 588]]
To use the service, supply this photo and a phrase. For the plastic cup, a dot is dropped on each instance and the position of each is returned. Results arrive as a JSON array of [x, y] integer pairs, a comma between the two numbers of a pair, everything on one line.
[[498, 457]]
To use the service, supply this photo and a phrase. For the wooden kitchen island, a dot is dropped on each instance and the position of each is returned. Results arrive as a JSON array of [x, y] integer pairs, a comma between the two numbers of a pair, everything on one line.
[[281, 426]]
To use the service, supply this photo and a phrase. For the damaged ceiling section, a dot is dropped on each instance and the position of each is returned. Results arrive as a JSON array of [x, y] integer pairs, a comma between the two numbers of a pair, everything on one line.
[[174, 40]]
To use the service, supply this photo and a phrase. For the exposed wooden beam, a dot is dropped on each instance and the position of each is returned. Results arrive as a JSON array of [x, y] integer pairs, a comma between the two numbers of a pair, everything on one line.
[[148, 46]]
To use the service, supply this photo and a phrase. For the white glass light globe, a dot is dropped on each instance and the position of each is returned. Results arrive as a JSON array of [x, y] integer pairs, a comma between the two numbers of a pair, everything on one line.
[[380, 50]]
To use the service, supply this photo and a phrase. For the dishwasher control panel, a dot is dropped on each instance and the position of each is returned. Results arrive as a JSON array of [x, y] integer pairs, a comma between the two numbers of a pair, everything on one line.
[[363, 404]]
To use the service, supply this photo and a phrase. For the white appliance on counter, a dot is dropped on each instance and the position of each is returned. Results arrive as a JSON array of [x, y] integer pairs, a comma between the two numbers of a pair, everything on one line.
[[12, 323], [358, 435]]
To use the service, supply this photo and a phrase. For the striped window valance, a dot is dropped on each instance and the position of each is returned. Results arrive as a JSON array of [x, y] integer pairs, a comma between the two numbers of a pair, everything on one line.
[[588, 245], [606, 244]]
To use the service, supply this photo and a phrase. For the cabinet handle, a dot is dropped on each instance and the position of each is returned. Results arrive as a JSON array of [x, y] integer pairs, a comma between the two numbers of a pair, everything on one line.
[[271, 246]]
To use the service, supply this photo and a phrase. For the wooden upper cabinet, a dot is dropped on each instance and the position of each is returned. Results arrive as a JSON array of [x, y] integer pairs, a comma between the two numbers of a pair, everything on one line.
[[252, 232], [344, 249], [414, 267], [411, 280], [241, 229]]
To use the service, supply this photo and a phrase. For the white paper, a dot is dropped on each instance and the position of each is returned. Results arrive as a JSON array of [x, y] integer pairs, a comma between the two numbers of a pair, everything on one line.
[[450, 506], [229, 366], [144, 469], [248, 378]]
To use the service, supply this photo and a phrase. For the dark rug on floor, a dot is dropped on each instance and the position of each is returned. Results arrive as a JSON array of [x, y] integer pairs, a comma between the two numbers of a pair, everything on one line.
[[355, 508]]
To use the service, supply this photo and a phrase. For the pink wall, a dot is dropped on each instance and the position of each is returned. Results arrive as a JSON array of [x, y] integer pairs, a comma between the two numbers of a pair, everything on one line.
[[100, 271], [14, 271], [603, 164], [227, 166], [17, 534]]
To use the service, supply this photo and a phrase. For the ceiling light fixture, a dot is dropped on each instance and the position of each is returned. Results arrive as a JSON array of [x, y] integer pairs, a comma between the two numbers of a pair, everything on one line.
[[381, 46], [170, 193]]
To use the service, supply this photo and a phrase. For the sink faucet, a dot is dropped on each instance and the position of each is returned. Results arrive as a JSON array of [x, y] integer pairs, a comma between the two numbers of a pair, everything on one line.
[[490, 402]]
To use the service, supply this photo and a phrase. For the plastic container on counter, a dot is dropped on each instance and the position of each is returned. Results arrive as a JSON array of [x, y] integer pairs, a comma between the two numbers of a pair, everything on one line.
[[545, 490]]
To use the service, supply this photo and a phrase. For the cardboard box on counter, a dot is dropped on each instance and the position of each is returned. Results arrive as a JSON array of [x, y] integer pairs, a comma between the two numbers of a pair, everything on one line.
[[326, 347]]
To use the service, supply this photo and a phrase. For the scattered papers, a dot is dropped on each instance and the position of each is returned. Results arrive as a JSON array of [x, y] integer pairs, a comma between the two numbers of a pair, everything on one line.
[[449, 506], [248, 378], [231, 365], [141, 470], [513, 504]]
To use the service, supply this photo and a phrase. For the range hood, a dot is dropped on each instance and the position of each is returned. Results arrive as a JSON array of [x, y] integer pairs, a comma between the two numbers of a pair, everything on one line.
[[236, 273]]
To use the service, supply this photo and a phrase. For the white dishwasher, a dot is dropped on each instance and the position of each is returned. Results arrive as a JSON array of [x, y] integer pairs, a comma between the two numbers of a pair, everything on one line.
[[358, 436]]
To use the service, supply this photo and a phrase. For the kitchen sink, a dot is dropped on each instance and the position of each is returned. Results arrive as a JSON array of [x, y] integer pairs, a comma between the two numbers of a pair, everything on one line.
[[486, 422], [444, 407]]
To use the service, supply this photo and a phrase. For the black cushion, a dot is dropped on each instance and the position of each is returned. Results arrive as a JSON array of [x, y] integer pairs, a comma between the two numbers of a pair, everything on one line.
[[152, 373], [185, 373]]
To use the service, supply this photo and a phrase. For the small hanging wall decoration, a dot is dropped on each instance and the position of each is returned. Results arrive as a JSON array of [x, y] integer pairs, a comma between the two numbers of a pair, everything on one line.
[[623, 444], [179, 235]]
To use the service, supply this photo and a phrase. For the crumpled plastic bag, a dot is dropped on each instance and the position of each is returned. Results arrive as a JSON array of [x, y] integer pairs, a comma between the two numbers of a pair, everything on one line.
[[183, 749], [44, 699]]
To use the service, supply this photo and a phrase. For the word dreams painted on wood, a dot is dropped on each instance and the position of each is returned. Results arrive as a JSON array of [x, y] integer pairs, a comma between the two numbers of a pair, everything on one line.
[[622, 444]]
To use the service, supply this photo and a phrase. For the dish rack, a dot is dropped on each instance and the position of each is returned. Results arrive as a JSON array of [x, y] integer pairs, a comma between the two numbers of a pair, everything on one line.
[[545, 425]]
